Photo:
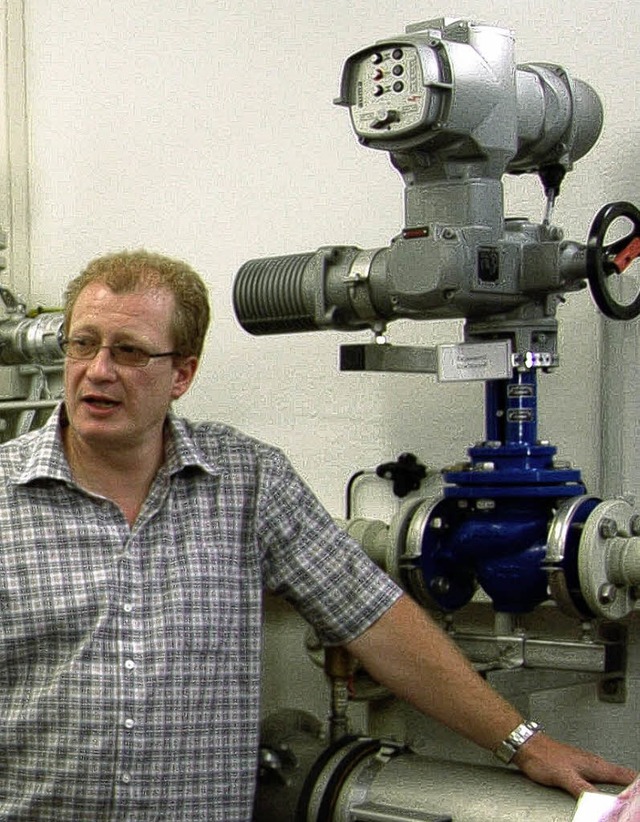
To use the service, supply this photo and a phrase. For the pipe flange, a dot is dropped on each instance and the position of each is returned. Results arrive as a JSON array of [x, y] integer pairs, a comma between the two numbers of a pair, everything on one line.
[[436, 581], [325, 781], [607, 600], [397, 538], [402, 544], [560, 541], [420, 523]]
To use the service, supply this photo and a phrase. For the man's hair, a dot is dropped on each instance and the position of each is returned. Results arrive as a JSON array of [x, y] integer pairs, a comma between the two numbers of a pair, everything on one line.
[[126, 272]]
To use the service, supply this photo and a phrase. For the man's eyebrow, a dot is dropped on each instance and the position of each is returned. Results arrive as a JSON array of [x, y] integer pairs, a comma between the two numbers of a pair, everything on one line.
[[83, 329], [119, 335]]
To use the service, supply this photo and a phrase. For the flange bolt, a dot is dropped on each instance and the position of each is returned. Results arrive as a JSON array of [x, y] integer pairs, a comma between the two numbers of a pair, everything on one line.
[[608, 528]]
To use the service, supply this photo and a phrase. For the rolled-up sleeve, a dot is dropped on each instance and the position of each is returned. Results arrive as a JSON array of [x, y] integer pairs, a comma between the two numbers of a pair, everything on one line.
[[313, 563]]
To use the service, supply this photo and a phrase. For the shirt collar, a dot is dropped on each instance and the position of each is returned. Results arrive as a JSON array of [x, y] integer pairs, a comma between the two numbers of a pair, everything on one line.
[[48, 460], [182, 449]]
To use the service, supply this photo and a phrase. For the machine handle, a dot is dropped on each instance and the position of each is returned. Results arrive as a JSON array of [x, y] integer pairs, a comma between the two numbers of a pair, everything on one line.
[[605, 261]]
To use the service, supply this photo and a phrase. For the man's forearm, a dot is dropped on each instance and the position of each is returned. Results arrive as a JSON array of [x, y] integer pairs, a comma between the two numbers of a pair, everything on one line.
[[407, 652]]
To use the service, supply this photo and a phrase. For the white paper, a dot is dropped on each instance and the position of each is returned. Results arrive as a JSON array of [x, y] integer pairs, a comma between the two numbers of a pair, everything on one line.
[[592, 807]]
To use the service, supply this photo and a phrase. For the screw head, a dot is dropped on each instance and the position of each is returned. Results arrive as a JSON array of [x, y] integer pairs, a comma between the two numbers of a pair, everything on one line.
[[607, 593]]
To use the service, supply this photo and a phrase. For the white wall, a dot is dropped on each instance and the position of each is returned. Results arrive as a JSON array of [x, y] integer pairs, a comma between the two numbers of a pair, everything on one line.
[[206, 130]]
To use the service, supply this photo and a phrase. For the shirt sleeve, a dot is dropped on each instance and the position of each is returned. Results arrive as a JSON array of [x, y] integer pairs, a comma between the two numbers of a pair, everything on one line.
[[313, 563]]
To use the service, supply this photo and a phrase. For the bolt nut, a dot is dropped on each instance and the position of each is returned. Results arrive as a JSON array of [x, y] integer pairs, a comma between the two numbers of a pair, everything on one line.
[[483, 466], [440, 585], [608, 528], [485, 504], [607, 593], [610, 686]]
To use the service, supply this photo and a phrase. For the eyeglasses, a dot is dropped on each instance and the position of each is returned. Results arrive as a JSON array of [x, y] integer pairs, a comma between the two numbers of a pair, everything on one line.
[[79, 348]]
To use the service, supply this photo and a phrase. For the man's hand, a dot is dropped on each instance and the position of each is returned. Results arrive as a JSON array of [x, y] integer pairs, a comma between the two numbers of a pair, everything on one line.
[[549, 762]]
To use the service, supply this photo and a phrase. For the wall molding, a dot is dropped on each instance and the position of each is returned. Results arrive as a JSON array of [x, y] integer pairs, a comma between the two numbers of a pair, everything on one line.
[[14, 147]]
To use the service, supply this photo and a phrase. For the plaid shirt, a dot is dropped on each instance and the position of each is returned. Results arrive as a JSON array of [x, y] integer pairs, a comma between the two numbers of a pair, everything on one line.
[[130, 657]]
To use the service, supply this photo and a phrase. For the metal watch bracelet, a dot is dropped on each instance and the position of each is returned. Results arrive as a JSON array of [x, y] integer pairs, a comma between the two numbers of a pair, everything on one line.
[[510, 746]]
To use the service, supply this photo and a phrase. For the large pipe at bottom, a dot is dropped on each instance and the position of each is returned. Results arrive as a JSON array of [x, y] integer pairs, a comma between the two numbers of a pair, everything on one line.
[[359, 779], [448, 790]]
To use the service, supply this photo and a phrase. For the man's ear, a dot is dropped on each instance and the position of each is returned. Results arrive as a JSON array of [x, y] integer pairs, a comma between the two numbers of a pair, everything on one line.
[[184, 370]]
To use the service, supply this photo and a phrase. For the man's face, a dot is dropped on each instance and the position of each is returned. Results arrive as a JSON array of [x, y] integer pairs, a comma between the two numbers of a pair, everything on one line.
[[115, 405]]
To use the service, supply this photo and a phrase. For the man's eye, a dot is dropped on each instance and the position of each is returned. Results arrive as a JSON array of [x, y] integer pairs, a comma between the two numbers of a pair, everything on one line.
[[82, 344], [129, 350]]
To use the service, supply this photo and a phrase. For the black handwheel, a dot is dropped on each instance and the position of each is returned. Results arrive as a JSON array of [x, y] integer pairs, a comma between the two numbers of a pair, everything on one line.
[[605, 262]]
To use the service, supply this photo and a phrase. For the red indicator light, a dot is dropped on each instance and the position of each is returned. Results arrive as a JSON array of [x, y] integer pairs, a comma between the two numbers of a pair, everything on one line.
[[415, 233]]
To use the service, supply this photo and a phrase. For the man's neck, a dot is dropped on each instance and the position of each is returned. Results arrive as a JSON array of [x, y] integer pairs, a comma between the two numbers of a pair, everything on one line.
[[122, 474]]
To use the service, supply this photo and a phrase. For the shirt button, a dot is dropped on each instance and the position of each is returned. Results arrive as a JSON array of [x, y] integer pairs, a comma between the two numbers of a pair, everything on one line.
[[126, 778], [129, 723], [129, 664], [127, 607]]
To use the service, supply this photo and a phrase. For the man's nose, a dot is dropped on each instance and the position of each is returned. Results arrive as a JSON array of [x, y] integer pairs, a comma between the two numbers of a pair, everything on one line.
[[102, 364]]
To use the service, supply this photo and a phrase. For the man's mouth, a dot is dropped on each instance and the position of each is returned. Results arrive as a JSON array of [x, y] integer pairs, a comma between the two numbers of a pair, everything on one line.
[[100, 402]]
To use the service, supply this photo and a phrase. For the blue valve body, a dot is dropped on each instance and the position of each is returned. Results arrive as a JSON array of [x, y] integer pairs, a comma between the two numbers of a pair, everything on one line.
[[491, 526]]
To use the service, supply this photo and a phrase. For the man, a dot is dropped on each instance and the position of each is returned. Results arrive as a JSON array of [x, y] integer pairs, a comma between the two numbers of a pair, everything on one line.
[[136, 547]]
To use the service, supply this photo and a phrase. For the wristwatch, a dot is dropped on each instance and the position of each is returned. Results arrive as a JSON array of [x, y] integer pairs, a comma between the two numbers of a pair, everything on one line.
[[510, 746]]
